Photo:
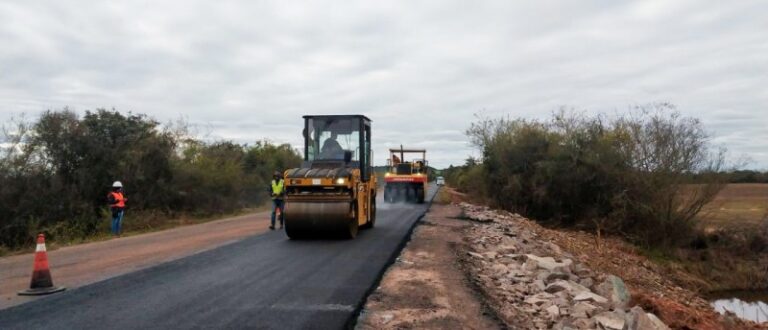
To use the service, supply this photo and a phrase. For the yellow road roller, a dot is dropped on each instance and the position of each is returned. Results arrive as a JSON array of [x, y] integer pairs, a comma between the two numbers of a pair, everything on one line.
[[334, 190]]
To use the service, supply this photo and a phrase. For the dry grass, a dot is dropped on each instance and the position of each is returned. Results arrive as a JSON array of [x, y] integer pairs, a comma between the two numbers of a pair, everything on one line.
[[734, 254], [742, 206], [443, 196]]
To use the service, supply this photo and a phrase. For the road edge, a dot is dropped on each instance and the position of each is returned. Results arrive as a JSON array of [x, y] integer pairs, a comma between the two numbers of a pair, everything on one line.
[[352, 321]]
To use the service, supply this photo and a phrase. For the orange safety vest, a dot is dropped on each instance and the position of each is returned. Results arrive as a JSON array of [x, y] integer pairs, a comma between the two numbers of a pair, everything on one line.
[[119, 200]]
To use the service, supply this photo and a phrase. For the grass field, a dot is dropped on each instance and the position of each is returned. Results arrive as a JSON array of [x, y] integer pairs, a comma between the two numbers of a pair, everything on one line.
[[743, 205]]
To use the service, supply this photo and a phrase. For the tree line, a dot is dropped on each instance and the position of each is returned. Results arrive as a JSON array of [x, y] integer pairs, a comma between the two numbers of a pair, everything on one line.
[[746, 176], [55, 172], [644, 175]]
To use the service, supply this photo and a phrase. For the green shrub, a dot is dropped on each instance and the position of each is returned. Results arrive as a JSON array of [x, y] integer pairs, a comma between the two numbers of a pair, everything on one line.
[[631, 175]]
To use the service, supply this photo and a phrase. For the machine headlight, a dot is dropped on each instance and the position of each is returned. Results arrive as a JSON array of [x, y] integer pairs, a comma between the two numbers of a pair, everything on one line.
[[340, 181], [387, 174]]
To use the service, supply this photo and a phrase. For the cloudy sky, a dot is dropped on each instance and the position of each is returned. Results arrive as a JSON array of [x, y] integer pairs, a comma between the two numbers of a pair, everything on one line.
[[248, 70]]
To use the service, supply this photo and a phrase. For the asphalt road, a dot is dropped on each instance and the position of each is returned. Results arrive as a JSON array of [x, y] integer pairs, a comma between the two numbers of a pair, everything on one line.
[[262, 282], [82, 264]]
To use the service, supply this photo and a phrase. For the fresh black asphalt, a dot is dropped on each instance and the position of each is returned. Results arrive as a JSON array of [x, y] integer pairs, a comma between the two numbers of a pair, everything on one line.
[[262, 282]]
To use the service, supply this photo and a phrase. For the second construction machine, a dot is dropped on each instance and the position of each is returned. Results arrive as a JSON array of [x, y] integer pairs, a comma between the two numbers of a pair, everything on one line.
[[406, 180], [334, 190]]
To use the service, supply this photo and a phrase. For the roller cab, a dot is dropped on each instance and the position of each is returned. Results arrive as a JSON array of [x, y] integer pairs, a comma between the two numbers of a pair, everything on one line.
[[333, 193]]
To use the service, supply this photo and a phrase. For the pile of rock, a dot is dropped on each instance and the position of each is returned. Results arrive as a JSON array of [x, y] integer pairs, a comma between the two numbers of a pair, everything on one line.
[[534, 284], [480, 213]]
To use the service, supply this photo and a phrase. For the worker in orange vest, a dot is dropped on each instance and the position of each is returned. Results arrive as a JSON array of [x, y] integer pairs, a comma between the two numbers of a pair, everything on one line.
[[117, 205]]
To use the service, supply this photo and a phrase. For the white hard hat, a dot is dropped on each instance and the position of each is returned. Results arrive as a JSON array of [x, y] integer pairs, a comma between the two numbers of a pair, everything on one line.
[[117, 184]]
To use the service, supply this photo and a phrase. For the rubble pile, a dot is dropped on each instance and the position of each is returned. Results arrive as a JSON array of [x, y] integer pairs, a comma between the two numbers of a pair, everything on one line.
[[533, 283]]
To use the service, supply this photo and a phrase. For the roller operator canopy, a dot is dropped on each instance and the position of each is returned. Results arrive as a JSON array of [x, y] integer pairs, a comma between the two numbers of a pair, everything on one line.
[[329, 137]]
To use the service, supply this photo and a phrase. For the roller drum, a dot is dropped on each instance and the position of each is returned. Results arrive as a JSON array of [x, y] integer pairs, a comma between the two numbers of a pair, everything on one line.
[[304, 219]]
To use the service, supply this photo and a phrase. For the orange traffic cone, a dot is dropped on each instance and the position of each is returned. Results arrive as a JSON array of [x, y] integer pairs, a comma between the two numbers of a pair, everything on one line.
[[41, 283]]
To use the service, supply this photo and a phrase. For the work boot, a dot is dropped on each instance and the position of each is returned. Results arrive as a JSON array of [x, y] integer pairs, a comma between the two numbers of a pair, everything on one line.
[[271, 227]]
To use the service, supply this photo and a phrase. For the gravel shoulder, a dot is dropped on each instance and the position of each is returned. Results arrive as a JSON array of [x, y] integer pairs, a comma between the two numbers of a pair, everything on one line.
[[472, 267], [542, 278], [426, 288]]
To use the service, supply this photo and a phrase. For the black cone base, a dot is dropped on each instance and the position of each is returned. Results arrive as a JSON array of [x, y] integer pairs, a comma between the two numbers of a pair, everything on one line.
[[41, 291]]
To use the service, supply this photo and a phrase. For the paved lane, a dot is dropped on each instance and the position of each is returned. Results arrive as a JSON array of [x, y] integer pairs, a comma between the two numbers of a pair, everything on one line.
[[265, 282], [83, 264]]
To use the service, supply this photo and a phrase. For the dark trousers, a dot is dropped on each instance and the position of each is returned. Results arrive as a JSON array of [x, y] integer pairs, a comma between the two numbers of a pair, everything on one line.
[[117, 220], [277, 204]]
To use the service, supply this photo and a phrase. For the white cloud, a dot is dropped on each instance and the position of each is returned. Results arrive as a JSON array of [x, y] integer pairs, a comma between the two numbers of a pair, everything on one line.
[[249, 70]]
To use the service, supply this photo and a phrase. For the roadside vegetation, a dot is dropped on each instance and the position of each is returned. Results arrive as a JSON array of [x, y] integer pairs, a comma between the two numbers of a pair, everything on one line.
[[645, 176], [55, 173]]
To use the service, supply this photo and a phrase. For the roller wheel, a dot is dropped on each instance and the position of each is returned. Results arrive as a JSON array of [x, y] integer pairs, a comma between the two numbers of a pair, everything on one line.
[[390, 194], [295, 234], [373, 211], [353, 228], [371, 214], [410, 194], [420, 195]]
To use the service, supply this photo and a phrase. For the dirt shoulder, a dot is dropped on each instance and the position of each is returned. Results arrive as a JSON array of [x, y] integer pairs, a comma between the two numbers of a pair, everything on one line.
[[79, 265], [426, 288]]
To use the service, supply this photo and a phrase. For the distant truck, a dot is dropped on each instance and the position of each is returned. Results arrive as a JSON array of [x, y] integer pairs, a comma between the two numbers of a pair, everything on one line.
[[406, 179], [440, 181]]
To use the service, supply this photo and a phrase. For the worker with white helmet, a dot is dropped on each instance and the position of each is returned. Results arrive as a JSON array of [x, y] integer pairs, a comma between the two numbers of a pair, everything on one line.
[[117, 205]]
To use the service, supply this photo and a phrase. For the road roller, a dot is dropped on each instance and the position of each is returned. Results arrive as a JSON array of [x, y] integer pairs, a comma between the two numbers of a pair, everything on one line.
[[406, 179], [333, 193]]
